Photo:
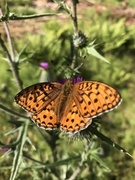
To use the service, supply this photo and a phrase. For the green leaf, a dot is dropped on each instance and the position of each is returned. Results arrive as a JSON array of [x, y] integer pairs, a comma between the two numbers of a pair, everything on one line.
[[98, 159], [92, 51]]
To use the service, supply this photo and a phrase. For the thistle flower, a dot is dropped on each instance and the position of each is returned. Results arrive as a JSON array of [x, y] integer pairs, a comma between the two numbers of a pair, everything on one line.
[[79, 40], [44, 65], [45, 76], [4, 149], [74, 80]]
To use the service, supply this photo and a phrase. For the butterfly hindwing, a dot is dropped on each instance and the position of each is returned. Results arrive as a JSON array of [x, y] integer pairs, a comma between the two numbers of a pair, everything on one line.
[[46, 118], [72, 121]]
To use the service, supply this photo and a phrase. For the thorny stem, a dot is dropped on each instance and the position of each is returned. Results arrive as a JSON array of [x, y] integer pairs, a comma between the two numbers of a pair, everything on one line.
[[13, 113], [74, 18], [81, 164], [76, 172], [11, 56], [73, 56], [13, 17]]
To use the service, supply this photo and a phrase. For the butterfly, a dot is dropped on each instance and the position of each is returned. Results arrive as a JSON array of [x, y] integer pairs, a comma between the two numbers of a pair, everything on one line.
[[70, 106]]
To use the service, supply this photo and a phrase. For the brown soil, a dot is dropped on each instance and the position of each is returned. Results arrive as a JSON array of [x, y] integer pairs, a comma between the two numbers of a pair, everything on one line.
[[18, 28]]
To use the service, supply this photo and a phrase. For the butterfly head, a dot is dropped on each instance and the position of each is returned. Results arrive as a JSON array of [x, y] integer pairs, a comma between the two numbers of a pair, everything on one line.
[[73, 80]]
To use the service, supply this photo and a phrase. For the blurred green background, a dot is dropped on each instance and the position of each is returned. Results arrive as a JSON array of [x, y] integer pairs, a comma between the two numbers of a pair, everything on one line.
[[112, 26]]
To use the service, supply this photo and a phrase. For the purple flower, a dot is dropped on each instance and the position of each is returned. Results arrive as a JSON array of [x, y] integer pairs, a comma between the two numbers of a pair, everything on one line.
[[44, 65], [74, 80], [78, 79], [4, 149], [62, 81]]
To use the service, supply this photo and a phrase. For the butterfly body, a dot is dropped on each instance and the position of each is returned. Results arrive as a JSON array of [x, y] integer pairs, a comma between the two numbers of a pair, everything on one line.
[[64, 96], [68, 106]]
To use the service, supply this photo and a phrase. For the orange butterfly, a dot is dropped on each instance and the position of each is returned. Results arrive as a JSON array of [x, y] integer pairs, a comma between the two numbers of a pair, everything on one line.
[[70, 106]]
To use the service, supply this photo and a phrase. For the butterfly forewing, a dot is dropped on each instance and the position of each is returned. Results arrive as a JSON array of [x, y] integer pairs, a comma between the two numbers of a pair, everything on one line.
[[94, 98], [38, 96]]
